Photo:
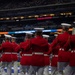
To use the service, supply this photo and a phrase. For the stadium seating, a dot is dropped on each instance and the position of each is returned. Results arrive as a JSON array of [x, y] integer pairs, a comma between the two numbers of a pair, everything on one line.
[[12, 4]]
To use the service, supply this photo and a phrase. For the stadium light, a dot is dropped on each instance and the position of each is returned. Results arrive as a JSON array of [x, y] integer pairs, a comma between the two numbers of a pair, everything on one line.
[[22, 17], [36, 16], [1, 18], [61, 14], [7, 18], [15, 17], [45, 15], [52, 14], [29, 16]]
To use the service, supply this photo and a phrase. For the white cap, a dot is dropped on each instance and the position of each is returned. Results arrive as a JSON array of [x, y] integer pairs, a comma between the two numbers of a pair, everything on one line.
[[65, 24], [39, 29], [13, 37], [46, 36], [55, 34], [29, 33], [7, 36]]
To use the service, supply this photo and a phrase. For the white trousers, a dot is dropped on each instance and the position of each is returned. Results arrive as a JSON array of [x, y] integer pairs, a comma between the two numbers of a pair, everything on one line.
[[46, 70], [24, 70], [61, 67], [70, 70], [15, 65], [54, 70], [31, 71], [38, 70], [8, 65]]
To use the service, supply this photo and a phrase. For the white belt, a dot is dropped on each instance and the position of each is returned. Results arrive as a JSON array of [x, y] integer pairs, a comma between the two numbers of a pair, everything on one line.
[[38, 53], [73, 51], [7, 52], [61, 49], [26, 54], [46, 55], [69, 49], [14, 53], [55, 55]]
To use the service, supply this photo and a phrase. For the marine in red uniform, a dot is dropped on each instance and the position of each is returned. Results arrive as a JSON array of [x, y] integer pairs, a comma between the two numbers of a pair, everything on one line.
[[39, 47], [26, 59], [70, 70], [46, 58], [7, 49], [14, 55], [54, 60], [63, 56]]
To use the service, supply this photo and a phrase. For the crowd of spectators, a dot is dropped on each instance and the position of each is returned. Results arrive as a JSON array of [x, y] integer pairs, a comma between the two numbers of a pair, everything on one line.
[[21, 27]]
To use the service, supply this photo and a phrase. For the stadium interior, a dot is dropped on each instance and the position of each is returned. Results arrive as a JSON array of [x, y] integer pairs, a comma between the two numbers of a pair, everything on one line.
[[18, 16]]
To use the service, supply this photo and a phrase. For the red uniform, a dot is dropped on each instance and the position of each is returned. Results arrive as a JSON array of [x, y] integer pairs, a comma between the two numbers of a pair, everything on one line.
[[54, 60], [46, 58], [72, 45], [14, 53], [39, 46], [26, 53], [7, 48], [63, 55]]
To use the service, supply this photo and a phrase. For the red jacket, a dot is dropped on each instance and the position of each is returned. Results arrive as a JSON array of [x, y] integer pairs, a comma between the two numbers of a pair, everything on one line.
[[14, 53], [72, 45], [55, 51], [39, 47], [63, 56], [7, 48], [26, 53], [47, 58]]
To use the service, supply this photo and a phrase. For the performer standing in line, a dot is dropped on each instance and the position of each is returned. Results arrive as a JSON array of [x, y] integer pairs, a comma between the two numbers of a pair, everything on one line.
[[14, 56], [46, 58], [63, 56], [70, 70], [39, 46], [26, 59], [7, 49], [54, 60]]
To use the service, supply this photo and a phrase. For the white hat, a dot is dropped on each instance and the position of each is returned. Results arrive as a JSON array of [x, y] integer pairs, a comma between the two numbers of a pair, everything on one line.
[[7, 36], [13, 37], [29, 33], [46, 36], [55, 34], [65, 24], [39, 29]]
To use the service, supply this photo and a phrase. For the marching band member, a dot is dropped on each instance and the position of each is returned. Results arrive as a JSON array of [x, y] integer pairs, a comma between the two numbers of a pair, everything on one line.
[[39, 45], [7, 49], [63, 56], [54, 60], [70, 70], [26, 59], [14, 56], [46, 58]]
